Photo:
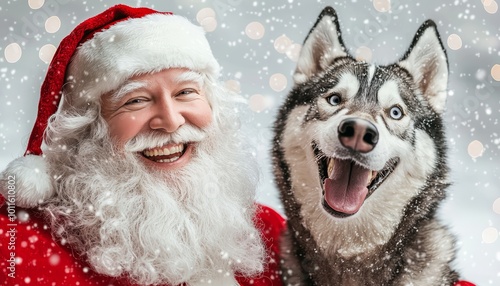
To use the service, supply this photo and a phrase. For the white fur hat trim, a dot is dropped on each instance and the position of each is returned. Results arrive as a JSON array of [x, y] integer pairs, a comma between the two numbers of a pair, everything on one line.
[[136, 46], [26, 181]]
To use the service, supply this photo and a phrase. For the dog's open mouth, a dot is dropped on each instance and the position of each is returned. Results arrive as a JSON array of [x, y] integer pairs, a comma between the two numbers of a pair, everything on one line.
[[347, 184]]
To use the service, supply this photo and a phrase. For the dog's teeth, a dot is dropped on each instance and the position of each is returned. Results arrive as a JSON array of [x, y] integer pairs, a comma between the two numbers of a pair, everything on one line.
[[331, 162], [372, 177]]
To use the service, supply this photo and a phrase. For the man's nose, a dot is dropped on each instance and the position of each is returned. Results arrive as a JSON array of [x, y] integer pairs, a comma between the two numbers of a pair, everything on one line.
[[167, 116]]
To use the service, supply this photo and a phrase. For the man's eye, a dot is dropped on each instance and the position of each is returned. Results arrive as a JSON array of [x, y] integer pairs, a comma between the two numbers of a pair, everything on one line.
[[134, 101], [187, 91]]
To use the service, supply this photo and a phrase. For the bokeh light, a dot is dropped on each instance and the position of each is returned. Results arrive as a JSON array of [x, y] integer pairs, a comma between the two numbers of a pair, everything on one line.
[[278, 82], [255, 30], [22, 215], [205, 13], [46, 53], [206, 18], [36, 4], [480, 74], [233, 85], [53, 24], [495, 72], [364, 54], [491, 6], [293, 52], [259, 103], [496, 206], [382, 5], [13, 53], [454, 42], [209, 24], [54, 259], [282, 44], [490, 235], [475, 149]]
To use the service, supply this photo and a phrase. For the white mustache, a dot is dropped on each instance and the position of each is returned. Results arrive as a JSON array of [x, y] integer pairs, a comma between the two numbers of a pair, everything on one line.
[[186, 133]]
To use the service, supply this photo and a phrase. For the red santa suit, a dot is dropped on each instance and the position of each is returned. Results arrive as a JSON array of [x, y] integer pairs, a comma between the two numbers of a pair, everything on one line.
[[29, 255]]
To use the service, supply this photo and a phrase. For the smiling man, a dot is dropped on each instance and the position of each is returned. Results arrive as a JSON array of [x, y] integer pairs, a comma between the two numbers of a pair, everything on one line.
[[143, 178], [163, 101]]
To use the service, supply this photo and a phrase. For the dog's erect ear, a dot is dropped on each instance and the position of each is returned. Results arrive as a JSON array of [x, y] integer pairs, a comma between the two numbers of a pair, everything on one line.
[[427, 62], [322, 45]]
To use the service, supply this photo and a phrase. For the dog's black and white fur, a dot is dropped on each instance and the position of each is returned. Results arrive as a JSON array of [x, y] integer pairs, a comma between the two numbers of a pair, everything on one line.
[[360, 161]]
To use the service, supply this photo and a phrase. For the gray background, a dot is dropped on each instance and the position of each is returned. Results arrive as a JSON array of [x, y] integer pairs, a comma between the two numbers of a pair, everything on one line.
[[473, 105]]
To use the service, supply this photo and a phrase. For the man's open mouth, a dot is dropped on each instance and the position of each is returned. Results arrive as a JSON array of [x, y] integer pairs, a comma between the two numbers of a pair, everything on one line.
[[165, 154], [347, 184]]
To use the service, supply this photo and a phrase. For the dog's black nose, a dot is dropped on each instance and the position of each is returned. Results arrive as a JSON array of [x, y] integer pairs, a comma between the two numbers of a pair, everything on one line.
[[358, 134]]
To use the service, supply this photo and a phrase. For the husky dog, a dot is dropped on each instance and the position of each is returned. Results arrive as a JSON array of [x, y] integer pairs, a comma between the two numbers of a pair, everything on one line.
[[359, 157]]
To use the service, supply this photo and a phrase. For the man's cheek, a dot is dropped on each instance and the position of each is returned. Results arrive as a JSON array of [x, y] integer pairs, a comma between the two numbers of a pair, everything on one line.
[[205, 116], [123, 128]]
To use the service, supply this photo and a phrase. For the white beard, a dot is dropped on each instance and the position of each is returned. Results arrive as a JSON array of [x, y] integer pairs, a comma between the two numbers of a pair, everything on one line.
[[172, 227]]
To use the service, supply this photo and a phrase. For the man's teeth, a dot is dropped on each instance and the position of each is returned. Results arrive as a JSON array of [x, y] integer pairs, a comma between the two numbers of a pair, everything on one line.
[[168, 160], [165, 152]]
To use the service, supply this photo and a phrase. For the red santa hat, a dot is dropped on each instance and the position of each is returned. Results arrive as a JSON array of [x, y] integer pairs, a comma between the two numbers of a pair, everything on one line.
[[97, 57]]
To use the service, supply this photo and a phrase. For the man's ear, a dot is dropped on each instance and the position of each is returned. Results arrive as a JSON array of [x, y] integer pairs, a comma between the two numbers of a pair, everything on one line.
[[427, 62], [322, 45]]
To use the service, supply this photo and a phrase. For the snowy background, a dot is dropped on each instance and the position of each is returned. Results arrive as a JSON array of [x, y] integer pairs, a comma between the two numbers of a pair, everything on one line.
[[257, 43]]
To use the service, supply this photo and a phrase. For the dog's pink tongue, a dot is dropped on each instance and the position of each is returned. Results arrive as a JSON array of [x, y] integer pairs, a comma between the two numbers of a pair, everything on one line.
[[345, 190]]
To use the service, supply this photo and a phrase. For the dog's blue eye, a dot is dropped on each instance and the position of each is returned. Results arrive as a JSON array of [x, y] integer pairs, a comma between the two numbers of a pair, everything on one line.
[[334, 100], [396, 112]]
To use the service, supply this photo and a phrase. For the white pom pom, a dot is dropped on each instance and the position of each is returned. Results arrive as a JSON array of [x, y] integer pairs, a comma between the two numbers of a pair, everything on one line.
[[30, 181]]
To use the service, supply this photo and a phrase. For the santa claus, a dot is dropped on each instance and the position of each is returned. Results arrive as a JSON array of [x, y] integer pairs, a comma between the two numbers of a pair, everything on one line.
[[144, 178]]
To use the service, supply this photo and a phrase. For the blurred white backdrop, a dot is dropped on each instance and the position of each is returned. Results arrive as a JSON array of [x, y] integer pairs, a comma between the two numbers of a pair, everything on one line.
[[257, 44]]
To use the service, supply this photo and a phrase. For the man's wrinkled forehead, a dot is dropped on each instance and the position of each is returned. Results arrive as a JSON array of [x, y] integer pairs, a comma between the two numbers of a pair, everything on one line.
[[132, 85]]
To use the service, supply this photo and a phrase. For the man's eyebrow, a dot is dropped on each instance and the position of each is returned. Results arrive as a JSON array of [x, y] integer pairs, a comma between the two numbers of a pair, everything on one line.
[[127, 87], [190, 76]]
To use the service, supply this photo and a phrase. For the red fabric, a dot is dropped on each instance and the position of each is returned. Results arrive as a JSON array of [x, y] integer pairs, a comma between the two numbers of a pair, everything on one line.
[[464, 283], [43, 261], [50, 94]]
